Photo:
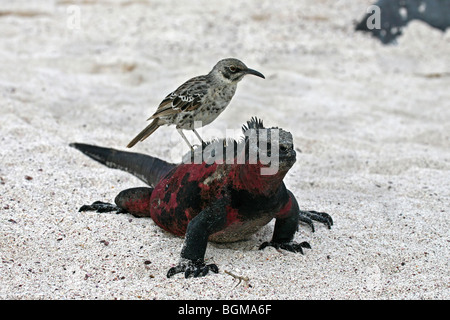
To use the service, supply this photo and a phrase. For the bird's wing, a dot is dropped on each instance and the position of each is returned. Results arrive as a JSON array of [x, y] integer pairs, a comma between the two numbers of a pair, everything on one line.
[[186, 98]]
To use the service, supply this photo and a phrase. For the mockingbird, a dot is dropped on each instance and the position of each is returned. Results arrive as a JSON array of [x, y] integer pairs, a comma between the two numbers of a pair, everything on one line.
[[200, 99]]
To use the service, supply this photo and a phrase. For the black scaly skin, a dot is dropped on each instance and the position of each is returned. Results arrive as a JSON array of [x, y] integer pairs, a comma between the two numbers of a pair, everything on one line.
[[210, 201]]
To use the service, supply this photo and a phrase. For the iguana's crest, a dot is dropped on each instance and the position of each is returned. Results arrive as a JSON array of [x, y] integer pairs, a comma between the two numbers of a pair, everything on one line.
[[231, 148], [254, 123]]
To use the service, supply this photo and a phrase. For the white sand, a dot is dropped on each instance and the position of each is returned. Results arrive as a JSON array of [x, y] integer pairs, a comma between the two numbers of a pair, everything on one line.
[[372, 123]]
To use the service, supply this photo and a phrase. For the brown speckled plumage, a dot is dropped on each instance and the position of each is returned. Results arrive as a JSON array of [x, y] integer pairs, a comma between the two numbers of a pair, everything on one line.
[[200, 99]]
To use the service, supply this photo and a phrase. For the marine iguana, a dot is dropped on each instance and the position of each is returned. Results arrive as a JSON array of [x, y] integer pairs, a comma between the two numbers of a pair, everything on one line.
[[210, 200]]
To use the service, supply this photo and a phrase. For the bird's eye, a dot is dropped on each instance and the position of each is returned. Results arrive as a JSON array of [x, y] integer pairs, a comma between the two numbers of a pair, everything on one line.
[[232, 68]]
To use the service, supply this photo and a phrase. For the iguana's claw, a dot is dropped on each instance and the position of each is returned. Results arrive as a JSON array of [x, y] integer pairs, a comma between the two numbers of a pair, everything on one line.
[[99, 207], [192, 268], [102, 207], [309, 216], [289, 246]]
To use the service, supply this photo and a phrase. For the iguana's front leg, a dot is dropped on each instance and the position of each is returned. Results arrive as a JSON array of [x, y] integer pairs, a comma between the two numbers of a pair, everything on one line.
[[207, 222], [287, 224]]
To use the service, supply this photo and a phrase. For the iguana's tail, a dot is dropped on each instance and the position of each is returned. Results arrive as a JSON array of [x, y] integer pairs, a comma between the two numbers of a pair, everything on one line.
[[147, 168]]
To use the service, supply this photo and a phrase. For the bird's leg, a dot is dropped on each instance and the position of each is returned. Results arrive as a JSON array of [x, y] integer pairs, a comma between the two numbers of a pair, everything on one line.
[[184, 138], [200, 138]]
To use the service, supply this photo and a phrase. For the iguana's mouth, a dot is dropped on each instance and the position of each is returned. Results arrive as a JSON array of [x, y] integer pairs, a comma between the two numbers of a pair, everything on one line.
[[287, 156]]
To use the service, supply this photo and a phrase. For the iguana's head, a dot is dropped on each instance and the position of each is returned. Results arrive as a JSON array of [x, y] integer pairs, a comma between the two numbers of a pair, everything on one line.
[[272, 148], [269, 155], [260, 159]]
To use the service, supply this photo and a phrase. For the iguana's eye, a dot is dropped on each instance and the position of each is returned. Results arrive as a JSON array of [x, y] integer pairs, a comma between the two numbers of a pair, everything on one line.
[[232, 69]]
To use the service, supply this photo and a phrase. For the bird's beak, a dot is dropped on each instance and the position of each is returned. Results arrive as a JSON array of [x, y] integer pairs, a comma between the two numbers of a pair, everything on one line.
[[254, 72]]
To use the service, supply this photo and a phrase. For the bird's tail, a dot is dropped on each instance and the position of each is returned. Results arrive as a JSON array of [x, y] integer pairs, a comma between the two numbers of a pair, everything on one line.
[[145, 133]]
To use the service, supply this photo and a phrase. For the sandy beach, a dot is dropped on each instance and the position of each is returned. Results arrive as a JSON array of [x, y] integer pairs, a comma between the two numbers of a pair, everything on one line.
[[370, 126]]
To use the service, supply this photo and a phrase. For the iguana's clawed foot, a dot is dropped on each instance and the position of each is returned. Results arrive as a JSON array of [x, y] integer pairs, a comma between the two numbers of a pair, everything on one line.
[[289, 246], [309, 216], [101, 207], [192, 268]]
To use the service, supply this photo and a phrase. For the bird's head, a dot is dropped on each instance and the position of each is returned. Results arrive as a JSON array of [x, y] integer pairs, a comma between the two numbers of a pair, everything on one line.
[[233, 70]]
